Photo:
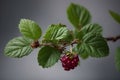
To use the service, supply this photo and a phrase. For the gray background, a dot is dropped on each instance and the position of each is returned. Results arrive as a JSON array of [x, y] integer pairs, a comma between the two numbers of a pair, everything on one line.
[[46, 12]]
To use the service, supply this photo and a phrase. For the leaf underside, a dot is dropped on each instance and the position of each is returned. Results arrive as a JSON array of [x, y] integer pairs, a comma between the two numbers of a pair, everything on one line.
[[18, 47]]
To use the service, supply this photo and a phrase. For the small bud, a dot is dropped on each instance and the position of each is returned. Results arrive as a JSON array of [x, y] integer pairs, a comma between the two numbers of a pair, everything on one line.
[[35, 44]]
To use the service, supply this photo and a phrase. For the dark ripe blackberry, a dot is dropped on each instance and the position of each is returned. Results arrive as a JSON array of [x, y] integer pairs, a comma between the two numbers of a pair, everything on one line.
[[69, 61]]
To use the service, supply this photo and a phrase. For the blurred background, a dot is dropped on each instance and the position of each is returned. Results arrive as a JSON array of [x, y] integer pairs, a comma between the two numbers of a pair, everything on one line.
[[46, 12]]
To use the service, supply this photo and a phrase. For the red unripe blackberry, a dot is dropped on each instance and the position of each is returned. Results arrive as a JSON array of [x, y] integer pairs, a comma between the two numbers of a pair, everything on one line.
[[69, 61]]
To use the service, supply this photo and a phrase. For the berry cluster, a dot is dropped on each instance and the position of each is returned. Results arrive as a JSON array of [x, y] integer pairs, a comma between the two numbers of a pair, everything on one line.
[[69, 61]]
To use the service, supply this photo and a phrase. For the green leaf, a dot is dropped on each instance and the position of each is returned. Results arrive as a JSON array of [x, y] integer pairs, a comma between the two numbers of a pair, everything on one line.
[[18, 47], [117, 59], [56, 32], [78, 15], [68, 38], [92, 28], [94, 45], [89, 28], [91, 41], [115, 16], [30, 29], [48, 56], [82, 55]]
